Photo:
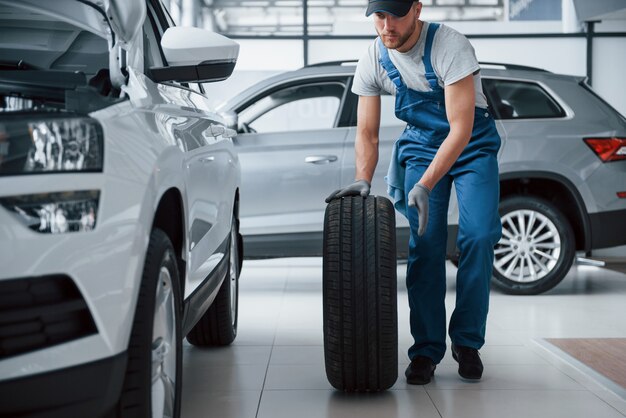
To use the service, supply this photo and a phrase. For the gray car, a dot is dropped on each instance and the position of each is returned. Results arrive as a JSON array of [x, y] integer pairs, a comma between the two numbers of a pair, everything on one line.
[[562, 167]]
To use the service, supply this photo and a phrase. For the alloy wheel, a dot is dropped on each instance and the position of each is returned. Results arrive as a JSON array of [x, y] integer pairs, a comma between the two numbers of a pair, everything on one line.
[[530, 246], [164, 348]]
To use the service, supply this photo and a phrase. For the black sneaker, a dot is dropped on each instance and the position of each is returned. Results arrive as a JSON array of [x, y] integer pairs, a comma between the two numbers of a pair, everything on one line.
[[470, 366], [420, 370]]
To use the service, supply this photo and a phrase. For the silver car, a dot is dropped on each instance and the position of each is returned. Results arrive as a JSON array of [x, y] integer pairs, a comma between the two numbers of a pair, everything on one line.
[[562, 166]]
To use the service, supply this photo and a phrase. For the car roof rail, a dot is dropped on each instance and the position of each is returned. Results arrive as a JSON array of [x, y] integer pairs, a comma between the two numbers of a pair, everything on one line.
[[329, 63], [513, 66], [495, 64]]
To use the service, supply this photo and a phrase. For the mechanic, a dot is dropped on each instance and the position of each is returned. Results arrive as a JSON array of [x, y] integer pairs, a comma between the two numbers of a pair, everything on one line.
[[450, 136]]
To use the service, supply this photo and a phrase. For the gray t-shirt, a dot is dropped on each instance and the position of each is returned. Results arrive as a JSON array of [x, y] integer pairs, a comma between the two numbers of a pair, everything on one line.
[[452, 57]]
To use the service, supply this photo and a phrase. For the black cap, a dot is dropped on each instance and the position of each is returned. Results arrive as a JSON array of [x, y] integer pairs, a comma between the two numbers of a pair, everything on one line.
[[395, 7]]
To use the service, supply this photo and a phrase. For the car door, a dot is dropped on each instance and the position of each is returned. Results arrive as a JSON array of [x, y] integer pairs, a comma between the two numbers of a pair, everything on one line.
[[208, 169], [290, 150], [210, 181]]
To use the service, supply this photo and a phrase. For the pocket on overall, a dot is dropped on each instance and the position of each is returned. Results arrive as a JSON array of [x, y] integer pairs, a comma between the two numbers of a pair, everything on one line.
[[429, 118]]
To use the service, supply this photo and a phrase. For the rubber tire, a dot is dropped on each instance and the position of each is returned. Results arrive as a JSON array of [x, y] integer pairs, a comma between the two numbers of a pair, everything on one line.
[[360, 294], [215, 328], [135, 400], [568, 244]]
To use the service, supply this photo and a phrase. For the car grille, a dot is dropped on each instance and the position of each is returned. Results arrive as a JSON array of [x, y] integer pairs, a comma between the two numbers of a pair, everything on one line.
[[40, 312]]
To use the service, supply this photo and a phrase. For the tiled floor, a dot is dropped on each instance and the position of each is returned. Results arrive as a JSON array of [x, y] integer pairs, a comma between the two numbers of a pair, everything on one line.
[[275, 368]]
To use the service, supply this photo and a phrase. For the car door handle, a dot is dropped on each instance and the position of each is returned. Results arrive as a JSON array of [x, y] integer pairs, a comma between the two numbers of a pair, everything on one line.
[[320, 159], [207, 159]]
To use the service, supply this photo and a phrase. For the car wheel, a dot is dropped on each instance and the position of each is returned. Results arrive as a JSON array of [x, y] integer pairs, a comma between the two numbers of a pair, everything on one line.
[[218, 326], [537, 247], [152, 385], [359, 294]]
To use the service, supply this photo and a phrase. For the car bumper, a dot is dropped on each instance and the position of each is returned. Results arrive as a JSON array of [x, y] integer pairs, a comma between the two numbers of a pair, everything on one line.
[[608, 229], [105, 264], [88, 390]]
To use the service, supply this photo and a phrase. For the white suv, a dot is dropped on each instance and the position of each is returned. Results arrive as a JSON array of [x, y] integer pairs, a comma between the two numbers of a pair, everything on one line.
[[119, 193]]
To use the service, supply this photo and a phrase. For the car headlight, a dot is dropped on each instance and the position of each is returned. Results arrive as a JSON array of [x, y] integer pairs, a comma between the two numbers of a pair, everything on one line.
[[55, 213], [50, 145]]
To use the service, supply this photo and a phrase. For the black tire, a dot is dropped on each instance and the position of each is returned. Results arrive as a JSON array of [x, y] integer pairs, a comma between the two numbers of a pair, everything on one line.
[[218, 325], [136, 397], [556, 261], [360, 294]]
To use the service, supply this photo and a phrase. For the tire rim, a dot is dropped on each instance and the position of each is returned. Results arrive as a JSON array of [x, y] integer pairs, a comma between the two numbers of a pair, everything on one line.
[[164, 348], [530, 247], [233, 278]]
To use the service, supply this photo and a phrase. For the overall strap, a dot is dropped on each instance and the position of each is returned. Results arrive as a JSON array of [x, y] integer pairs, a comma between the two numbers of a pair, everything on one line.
[[386, 63], [428, 65]]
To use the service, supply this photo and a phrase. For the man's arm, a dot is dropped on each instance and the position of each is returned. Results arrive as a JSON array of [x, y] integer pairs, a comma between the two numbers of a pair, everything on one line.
[[460, 103], [366, 144], [365, 148]]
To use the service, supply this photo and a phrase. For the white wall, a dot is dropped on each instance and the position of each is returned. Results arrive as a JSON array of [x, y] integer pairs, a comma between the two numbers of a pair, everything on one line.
[[609, 71]]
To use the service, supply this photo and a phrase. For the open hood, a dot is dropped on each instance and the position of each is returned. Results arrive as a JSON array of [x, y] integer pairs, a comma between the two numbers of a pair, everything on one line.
[[118, 21], [123, 17]]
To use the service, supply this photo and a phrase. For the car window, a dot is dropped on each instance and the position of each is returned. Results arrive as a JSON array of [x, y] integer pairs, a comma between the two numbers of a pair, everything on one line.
[[388, 111], [152, 53], [296, 108], [511, 99]]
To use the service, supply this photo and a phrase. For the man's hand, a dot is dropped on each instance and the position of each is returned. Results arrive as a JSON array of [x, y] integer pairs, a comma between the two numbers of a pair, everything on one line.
[[418, 197], [359, 187]]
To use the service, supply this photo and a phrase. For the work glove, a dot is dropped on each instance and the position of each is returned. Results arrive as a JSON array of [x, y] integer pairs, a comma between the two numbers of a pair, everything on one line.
[[359, 187], [418, 197]]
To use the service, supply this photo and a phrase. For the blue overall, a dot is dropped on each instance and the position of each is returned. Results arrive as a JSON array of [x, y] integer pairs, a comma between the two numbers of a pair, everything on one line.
[[475, 175]]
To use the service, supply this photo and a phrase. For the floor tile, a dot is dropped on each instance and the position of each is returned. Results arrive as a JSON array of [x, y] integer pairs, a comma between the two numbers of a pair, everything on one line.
[[506, 377], [298, 355], [228, 377], [520, 404], [234, 404], [334, 404], [220, 356], [299, 336], [296, 377]]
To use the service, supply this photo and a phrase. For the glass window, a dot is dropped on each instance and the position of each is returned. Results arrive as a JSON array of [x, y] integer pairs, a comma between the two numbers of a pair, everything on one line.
[[388, 111], [152, 53], [297, 108], [520, 100]]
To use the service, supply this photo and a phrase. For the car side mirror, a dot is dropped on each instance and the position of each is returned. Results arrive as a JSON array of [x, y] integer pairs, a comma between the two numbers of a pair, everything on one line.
[[195, 55], [231, 119]]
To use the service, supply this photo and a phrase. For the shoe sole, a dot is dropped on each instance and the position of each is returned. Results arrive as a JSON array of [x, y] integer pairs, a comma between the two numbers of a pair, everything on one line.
[[467, 378]]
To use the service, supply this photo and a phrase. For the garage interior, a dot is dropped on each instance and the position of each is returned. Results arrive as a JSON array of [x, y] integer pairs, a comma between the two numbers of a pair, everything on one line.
[[251, 305], [559, 354]]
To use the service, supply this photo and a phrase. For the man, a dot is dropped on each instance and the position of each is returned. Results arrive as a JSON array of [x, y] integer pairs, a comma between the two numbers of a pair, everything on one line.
[[450, 136]]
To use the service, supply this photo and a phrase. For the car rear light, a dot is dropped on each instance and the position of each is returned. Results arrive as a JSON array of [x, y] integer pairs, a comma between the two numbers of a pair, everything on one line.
[[621, 195], [608, 149]]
